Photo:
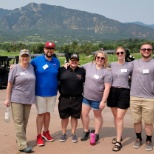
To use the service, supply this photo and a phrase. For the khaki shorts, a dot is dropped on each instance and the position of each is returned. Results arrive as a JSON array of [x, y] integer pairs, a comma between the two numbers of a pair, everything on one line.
[[45, 104], [142, 108]]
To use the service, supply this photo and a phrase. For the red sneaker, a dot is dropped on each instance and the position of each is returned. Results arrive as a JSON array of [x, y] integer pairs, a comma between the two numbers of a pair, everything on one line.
[[40, 141], [47, 136]]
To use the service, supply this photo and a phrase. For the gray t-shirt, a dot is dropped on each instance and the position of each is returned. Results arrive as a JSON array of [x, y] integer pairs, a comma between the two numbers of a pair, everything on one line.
[[94, 82], [143, 79], [120, 74], [23, 90]]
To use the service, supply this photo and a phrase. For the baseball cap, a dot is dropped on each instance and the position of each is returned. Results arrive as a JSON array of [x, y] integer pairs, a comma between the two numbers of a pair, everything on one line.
[[24, 52], [49, 45], [74, 56]]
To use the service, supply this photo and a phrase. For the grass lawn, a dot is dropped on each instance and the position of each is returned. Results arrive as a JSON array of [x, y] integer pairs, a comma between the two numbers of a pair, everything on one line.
[[83, 58]]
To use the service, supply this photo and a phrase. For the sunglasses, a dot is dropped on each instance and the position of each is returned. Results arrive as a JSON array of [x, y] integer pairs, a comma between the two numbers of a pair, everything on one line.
[[118, 53], [102, 58], [148, 49], [74, 60]]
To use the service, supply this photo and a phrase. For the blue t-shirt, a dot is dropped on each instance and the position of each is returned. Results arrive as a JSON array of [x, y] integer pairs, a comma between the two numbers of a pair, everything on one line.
[[46, 76]]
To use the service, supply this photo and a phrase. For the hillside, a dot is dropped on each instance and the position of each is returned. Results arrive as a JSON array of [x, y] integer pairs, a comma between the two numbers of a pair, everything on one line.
[[41, 22]]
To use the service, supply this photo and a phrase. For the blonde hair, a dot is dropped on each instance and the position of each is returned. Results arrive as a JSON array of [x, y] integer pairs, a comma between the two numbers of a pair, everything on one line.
[[147, 43], [120, 47], [105, 65]]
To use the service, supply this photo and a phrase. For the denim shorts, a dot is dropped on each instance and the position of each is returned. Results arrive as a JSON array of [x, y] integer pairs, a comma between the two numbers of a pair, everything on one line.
[[93, 104]]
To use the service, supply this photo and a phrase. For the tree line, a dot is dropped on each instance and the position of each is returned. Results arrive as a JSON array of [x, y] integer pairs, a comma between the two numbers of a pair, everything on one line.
[[87, 48]]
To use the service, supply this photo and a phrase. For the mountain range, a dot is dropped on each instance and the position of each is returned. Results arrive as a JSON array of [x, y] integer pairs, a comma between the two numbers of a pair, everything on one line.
[[142, 24], [42, 22]]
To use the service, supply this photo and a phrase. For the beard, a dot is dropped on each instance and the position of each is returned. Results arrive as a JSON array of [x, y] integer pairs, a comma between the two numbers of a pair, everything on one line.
[[48, 55], [148, 56]]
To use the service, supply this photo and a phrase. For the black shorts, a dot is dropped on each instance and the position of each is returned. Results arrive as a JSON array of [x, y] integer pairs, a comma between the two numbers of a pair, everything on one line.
[[119, 97], [70, 106]]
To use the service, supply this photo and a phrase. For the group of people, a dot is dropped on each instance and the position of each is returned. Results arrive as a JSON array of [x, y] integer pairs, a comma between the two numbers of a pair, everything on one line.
[[82, 89], [33, 82], [139, 96]]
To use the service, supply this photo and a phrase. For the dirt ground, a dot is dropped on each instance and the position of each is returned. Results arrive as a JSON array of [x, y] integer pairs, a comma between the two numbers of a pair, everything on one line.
[[8, 140]]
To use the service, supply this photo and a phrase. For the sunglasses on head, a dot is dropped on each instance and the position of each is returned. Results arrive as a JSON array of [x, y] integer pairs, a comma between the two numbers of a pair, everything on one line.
[[144, 49], [102, 58], [118, 53]]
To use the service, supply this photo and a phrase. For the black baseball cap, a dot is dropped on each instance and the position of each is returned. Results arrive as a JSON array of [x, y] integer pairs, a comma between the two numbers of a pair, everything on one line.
[[74, 56]]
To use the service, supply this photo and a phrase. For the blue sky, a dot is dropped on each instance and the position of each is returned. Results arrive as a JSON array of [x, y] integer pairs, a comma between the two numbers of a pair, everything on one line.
[[121, 10]]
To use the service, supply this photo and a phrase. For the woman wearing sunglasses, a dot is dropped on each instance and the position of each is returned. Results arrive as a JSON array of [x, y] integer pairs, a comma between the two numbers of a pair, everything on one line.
[[119, 97], [96, 89]]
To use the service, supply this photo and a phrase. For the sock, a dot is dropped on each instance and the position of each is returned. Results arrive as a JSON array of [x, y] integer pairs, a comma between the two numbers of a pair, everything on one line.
[[138, 135], [148, 138]]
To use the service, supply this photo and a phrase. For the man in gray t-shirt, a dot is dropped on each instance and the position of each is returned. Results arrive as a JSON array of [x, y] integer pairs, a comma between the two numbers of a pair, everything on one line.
[[142, 96]]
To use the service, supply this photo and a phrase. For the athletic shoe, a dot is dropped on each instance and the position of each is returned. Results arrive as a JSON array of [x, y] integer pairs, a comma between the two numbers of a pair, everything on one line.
[[137, 144], [40, 141], [63, 138], [47, 136], [27, 150], [96, 137], [148, 146], [74, 138], [85, 136]]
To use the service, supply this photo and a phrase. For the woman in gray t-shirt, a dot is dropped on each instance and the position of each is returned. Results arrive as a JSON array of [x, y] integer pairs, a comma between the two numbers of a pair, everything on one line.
[[20, 94], [119, 97], [96, 89]]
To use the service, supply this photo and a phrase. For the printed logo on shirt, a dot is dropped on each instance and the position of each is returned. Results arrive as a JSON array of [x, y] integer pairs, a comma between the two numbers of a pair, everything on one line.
[[54, 64], [79, 76]]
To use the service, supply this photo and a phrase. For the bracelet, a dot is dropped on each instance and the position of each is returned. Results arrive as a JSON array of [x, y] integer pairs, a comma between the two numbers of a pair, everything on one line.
[[103, 101]]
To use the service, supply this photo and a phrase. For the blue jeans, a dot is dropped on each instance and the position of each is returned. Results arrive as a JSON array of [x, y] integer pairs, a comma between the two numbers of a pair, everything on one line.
[[93, 104]]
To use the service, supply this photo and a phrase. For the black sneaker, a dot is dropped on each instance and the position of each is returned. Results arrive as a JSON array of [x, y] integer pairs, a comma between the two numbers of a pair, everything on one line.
[[93, 131], [96, 137], [85, 136]]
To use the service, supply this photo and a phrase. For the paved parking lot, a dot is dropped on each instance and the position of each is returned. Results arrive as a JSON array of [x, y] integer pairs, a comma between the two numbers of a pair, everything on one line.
[[8, 141]]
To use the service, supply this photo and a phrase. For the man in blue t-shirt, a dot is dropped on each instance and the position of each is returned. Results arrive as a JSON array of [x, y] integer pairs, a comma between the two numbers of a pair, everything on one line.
[[46, 69]]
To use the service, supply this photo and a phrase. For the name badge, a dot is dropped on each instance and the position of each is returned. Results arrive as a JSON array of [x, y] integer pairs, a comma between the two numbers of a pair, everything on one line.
[[123, 70], [45, 66], [96, 76], [146, 71], [22, 73]]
